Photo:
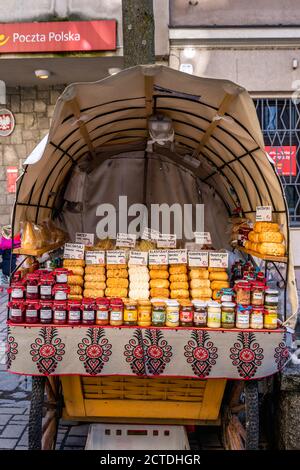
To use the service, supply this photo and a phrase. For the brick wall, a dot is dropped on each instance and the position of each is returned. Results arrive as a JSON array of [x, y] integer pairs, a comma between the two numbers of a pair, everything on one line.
[[33, 109]]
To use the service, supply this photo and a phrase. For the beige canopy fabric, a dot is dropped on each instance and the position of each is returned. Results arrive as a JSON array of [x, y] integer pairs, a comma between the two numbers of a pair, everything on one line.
[[214, 121]]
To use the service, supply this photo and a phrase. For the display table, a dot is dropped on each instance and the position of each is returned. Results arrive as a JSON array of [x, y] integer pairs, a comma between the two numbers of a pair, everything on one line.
[[170, 352]]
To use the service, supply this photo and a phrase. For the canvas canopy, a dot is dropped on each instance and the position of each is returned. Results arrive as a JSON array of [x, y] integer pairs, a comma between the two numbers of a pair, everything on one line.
[[215, 125]]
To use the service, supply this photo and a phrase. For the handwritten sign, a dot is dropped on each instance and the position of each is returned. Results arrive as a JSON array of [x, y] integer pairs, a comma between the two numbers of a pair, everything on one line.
[[166, 240], [150, 234], [95, 257], [86, 239], [203, 238], [138, 258], [126, 240], [264, 214], [177, 256], [218, 260], [158, 257], [73, 251], [198, 259], [116, 257]]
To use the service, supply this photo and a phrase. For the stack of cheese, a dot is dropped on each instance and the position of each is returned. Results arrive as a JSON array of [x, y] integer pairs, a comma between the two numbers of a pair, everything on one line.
[[179, 285], [218, 280], [75, 280], [266, 239], [159, 281], [200, 284], [94, 281], [138, 282], [116, 280]]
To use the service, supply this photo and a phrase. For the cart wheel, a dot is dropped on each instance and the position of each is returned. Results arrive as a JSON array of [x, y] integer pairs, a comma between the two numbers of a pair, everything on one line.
[[240, 420], [45, 412]]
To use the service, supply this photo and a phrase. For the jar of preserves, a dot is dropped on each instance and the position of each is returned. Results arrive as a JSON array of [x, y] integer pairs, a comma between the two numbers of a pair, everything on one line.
[[116, 312], [158, 314], [257, 293], [46, 285], [200, 313], [257, 317], [74, 312], [32, 286], [271, 298], [186, 313], [144, 312], [32, 311], [60, 291], [270, 318], [88, 311], [226, 295], [243, 316], [102, 311], [172, 313], [61, 275], [59, 312], [130, 312], [213, 315], [46, 307], [16, 311], [243, 292], [228, 314], [16, 290]]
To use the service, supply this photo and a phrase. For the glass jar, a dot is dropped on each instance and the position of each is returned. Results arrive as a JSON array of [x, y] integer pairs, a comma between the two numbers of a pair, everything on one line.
[[16, 311], [60, 291], [228, 314], [144, 313], [186, 313], [270, 318], [102, 311], [59, 312], [257, 293], [243, 292], [32, 311], [46, 307], [172, 313], [32, 286], [243, 316], [16, 290], [46, 285], [226, 295], [116, 312], [61, 275], [271, 298], [200, 313], [213, 315], [74, 312], [88, 311], [257, 317], [130, 312], [158, 314]]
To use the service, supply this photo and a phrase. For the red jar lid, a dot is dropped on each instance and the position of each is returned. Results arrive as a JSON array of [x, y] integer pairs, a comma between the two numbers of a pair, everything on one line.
[[258, 308], [87, 301], [18, 303], [243, 285], [46, 303], [102, 301], [73, 303], [59, 303], [258, 285], [35, 303], [47, 277], [61, 271], [61, 287], [32, 276], [116, 301]]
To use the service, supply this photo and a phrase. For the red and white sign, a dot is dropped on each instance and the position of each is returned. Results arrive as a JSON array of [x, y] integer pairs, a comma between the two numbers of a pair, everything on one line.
[[285, 158], [58, 36], [7, 122], [11, 179]]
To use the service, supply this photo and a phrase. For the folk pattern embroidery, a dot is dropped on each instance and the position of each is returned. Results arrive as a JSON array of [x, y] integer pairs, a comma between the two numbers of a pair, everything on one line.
[[158, 352], [246, 355], [94, 350], [201, 353], [281, 354], [47, 350], [11, 348], [134, 353]]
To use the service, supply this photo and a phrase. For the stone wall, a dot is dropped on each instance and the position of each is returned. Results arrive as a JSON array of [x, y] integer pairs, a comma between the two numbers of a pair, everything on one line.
[[33, 109]]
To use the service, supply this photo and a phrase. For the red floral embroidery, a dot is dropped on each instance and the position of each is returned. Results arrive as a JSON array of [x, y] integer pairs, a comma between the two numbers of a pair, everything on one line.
[[201, 353], [246, 355], [47, 350], [94, 350]]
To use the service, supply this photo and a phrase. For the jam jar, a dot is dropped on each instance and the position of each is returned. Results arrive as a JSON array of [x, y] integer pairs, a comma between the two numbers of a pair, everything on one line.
[[257, 293], [172, 313], [200, 313], [243, 292], [46, 307], [16, 311], [271, 298], [270, 318], [257, 317], [61, 275], [213, 315], [130, 312], [116, 312], [158, 314], [46, 285], [16, 290], [226, 294], [74, 312], [228, 314], [186, 313], [32, 308], [102, 311], [144, 312], [88, 307], [59, 312], [32, 286], [60, 291], [243, 316]]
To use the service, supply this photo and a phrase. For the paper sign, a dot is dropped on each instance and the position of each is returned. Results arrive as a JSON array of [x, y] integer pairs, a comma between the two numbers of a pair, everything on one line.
[[264, 214], [138, 258], [218, 260], [158, 257], [95, 257], [198, 259], [166, 240], [115, 257], [73, 251], [150, 234], [126, 240], [86, 239], [177, 256], [203, 238]]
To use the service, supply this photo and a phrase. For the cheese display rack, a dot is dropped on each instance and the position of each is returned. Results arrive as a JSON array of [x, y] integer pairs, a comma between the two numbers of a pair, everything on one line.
[[275, 259], [37, 252]]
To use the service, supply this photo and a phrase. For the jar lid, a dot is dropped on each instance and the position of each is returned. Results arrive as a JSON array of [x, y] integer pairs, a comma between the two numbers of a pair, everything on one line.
[[258, 284], [32, 302], [74, 302], [130, 302], [116, 301], [243, 308], [63, 287], [32, 276], [260, 308], [88, 300], [47, 277], [46, 303], [16, 302], [185, 303], [272, 292], [102, 300], [214, 304], [159, 304], [59, 303], [228, 304], [199, 303], [18, 284], [144, 303], [172, 303], [243, 284], [61, 270]]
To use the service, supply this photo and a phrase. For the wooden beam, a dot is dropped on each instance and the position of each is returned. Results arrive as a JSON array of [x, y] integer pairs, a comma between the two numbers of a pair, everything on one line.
[[82, 127], [149, 84]]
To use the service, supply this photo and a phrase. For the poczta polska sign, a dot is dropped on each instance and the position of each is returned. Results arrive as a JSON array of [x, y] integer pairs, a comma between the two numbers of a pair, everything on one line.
[[7, 122], [58, 36]]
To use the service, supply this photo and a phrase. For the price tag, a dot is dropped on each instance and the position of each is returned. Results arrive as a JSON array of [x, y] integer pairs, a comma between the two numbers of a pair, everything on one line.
[[202, 238], [198, 259], [177, 256], [86, 239], [166, 240], [95, 257], [264, 214], [73, 251], [158, 257], [126, 240], [218, 260], [150, 234], [115, 257], [138, 258]]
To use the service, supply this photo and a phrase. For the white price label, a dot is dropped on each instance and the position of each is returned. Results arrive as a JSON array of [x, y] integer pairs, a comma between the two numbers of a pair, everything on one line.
[[73, 251], [264, 214], [115, 257], [158, 257], [203, 238], [138, 258], [86, 239], [150, 234], [218, 260], [166, 240], [177, 256], [126, 240], [198, 259], [95, 257]]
